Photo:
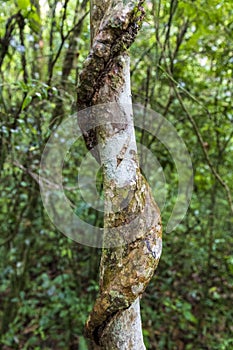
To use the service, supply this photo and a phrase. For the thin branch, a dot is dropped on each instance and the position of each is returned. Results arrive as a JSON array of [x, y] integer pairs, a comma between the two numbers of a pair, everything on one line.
[[37, 178], [64, 38], [53, 23], [145, 53], [21, 24], [5, 41], [206, 155], [63, 18], [173, 7], [183, 89], [8, 239], [226, 143], [179, 40]]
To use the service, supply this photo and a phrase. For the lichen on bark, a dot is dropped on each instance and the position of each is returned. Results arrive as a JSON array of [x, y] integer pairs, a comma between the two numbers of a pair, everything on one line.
[[127, 268], [103, 67], [132, 224]]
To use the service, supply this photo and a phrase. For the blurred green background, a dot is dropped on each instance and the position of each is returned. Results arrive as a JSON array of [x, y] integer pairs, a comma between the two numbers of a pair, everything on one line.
[[181, 67]]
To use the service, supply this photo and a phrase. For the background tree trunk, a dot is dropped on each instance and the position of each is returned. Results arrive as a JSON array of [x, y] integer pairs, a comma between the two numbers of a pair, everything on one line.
[[132, 239]]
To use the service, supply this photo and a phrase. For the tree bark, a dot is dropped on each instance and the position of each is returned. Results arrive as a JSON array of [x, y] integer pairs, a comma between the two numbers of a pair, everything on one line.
[[132, 241]]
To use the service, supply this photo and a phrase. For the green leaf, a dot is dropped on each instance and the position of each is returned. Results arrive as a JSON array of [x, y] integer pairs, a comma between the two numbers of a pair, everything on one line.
[[34, 21], [190, 317], [23, 86], [24, 4], [26, 101]]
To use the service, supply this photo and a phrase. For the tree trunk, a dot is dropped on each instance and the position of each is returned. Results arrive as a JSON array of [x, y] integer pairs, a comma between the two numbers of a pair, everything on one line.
[[132, 240]]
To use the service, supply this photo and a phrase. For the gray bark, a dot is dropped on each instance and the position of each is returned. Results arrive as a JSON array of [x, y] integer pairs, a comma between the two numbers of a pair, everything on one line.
[[133, 249], [125, 331]]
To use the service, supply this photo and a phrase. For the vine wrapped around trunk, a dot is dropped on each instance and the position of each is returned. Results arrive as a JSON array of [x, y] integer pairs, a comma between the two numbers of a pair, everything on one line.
[[132, 223]]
